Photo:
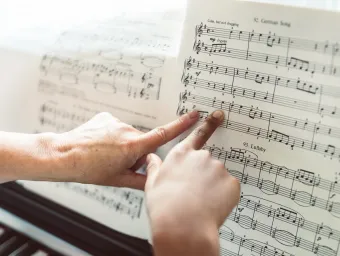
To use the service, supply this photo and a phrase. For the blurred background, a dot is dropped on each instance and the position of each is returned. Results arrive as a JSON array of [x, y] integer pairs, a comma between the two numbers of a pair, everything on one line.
[[18, 14]]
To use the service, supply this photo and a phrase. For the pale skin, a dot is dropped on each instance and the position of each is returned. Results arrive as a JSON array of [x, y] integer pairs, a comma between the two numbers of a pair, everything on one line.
[[188, 196]]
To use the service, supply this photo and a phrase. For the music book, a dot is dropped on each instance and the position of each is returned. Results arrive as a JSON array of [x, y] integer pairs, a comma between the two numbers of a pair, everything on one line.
[[274, 70]]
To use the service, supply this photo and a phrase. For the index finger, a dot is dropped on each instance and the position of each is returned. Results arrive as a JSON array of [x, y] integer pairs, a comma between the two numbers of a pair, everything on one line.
[[162, 135], [201, 134]]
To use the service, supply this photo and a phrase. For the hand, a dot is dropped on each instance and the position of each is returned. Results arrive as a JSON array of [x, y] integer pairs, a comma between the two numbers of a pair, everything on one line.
[[189, 195], [106, 151]]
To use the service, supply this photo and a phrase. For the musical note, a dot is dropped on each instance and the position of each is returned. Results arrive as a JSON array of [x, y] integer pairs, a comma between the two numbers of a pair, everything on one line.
[[273, 40], [265, 97], [298, 84], [218, 48], [285, 105], [121, 201], [105, 78], [276, 60], [277, 171], [299, 63]]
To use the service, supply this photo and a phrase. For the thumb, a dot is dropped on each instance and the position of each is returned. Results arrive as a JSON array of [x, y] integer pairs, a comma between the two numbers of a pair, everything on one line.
[[153, 163]]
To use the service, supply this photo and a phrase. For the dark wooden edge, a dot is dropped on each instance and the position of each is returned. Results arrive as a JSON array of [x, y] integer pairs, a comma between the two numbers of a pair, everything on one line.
[[78, 230]]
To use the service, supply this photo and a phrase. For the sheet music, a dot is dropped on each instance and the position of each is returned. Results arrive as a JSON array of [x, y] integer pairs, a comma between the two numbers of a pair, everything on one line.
[[275, 71], [115, 66]]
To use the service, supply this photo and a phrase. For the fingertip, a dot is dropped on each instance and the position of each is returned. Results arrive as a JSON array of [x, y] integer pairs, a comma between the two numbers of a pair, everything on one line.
[[148, 158], [202, 133], [152, 163], [218, 115], [194, 114]]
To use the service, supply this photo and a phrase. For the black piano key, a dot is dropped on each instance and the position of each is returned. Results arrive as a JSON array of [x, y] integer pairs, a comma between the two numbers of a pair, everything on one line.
[[25, 249], [11, 244], [5, 236], [20, 250]]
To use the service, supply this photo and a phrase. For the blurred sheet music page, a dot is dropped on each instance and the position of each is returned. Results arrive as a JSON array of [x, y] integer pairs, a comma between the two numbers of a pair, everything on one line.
[[115, 66], [275, 71]]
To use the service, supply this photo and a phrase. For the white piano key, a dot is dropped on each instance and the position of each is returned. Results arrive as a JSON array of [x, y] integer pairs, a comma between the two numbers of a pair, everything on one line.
[[40, 253]]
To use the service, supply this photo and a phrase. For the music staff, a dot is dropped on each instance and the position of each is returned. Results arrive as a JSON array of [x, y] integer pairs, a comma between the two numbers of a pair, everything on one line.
[[256, 113], [282, 236], [107, 78], [272, 188], [276, 60], [304, 177], [288, 216], [249, 244], [133, 210], [129, 196], [270, 39], [61, 119], [65, 120], [263, 78], [226, 252], [332, 111], [277, 136], [306, 189]]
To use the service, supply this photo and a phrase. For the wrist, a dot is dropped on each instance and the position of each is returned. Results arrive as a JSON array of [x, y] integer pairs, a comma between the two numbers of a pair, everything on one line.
[[174, 237], [50, 159], [60, 157], [26, 156]]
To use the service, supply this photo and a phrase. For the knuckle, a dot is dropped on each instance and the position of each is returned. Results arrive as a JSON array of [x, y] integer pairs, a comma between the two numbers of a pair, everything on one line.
[[205, 154], [233, 191], [161, 133], [180, 150], [104, 115], [181, 120], [220, 166], [199, 131], [129, 147], [128, 128], [235, 185]]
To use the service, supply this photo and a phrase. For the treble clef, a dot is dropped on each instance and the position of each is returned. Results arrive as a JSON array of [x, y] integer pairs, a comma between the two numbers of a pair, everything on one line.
[[185, 79], [184, 96], [199, 29], [198, 47], [188, 63], [182, 111]]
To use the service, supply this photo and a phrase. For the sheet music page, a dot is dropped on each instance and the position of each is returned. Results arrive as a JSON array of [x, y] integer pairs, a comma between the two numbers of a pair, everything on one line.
[[275, 71], [116, 66]]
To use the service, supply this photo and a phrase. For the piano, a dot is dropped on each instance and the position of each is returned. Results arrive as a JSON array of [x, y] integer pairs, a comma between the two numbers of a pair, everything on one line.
[[31, 225]]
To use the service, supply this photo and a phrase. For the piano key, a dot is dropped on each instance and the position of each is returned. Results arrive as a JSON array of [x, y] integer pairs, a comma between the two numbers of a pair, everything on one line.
[[10, 245], [21, 250], [39, 241], [40, 253], [2, 231], [29, 248], [5, 236]]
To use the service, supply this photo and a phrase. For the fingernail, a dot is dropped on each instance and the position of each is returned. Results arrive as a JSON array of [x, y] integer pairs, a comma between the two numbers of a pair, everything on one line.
[[193, 114], [218, 114]]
